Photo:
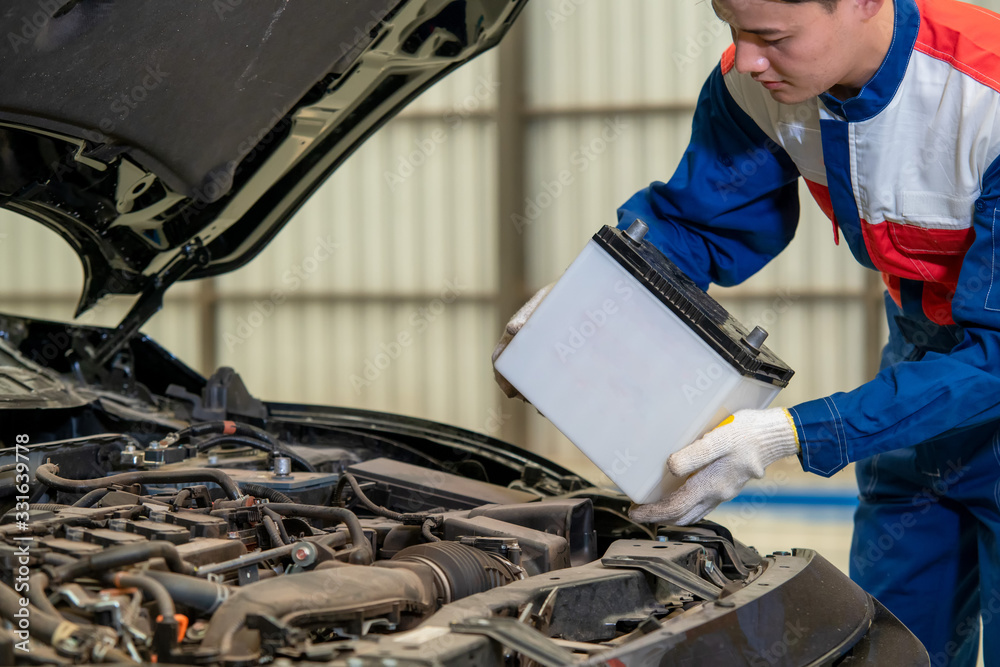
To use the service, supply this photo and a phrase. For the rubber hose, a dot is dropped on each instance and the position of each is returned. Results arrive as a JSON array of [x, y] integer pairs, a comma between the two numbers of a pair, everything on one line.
[[182, 497], [256, 444], [277, 522], [114, 558], [48, 474], [261, 491], [45, 625], [37, 583], [91, 498], [360, 495], [222, 428], [205, 596], [8, 483], [149, 586], [117, 656], [54, 558], [425, 530], [272, 532], [323, 592], [346, 516]]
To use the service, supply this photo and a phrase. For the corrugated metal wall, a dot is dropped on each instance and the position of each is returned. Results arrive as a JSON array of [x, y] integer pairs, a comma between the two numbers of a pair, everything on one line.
[[632, 71], [382, 292]]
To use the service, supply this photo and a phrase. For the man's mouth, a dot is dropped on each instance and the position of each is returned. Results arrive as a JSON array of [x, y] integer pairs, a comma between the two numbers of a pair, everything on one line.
[[771, 85]]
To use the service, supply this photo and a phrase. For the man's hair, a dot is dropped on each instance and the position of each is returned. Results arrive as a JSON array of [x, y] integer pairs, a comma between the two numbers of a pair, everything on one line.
[[828, 5]]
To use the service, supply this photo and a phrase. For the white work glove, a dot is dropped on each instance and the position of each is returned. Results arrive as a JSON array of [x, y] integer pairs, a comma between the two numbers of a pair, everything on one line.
[[513, 326], [725, 459]]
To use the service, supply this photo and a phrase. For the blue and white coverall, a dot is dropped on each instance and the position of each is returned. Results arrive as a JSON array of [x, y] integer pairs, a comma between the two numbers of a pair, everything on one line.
[[908, 171]]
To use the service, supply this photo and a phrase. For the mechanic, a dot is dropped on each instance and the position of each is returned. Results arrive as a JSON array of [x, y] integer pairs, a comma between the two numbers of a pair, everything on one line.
[[890, 111]]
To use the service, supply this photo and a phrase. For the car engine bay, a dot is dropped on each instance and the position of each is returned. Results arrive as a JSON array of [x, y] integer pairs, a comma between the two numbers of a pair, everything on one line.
[[148, 514]]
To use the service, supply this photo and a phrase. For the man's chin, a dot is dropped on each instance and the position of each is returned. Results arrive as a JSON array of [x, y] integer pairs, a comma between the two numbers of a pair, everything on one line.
[[790, 95]]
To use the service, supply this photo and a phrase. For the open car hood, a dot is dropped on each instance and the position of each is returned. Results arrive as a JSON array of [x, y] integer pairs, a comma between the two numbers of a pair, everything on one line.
[[172, 140]]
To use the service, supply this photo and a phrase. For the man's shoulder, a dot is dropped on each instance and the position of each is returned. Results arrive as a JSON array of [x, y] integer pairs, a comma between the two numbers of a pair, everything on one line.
[[964, 36], [757, 103]]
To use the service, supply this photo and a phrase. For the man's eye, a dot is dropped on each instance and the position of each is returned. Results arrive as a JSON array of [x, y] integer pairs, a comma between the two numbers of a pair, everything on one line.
[[774, 42]]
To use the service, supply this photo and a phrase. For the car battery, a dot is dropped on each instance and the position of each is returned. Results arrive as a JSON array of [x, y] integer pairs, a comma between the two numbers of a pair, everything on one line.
[[632, 361]]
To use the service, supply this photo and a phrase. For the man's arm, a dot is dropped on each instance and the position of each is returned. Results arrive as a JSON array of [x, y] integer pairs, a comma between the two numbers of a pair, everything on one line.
[[732, 204], [915, 401]]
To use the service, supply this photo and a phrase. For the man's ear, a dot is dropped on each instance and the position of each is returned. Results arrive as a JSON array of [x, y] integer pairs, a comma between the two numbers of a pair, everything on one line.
[[867, 9]]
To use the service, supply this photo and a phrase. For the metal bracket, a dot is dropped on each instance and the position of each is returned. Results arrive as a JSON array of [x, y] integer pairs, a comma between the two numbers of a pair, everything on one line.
[[668, 571], [515, 635], [247, 574], [731, 557], [191, 256]]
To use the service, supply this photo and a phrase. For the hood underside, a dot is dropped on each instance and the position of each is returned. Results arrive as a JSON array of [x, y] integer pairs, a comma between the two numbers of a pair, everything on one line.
[[172, 140], [181, 88]]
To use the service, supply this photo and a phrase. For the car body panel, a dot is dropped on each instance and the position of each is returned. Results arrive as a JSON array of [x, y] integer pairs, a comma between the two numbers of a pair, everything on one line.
[[232, 135]]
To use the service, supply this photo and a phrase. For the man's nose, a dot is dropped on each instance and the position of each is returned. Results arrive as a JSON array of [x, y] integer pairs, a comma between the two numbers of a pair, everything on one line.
[[749, 57]]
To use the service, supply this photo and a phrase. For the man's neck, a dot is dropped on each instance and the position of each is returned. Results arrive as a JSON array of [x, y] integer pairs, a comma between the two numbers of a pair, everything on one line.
[[871, 53]]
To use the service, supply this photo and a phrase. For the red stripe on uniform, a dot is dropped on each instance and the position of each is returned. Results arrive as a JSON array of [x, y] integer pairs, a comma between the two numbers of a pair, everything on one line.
[[935, 298], [821, 194], [932, 256], [892, 284], [936, 302], [917, 253], [728, 59], [962, 35]]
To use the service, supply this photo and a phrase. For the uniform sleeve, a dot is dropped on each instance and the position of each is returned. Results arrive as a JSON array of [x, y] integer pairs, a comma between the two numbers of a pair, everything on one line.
[[732, 204], [915, 401]]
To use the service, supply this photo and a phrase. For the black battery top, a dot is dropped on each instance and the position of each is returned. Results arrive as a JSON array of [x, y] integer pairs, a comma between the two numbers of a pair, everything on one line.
[[741, 348]]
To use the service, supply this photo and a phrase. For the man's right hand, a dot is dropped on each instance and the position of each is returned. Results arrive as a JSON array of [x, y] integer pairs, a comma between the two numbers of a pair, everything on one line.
[[513, 326]]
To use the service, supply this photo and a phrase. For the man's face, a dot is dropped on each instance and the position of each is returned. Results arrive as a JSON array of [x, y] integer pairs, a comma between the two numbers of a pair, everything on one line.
[[795, 50]]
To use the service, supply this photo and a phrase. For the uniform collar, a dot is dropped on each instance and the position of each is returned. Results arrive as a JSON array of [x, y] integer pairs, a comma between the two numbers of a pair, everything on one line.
[[879, 91]]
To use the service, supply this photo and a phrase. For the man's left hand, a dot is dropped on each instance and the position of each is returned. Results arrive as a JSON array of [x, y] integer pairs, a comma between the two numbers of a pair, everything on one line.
[[723, 460]]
